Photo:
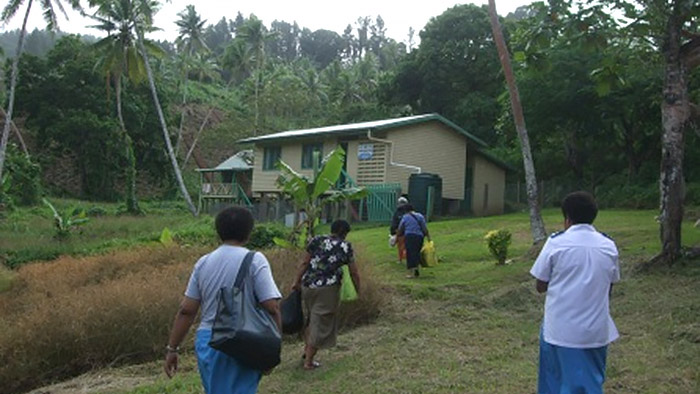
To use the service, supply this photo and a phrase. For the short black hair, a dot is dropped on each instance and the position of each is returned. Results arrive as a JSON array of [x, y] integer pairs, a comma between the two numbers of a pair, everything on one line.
[[408, 207], [234, 224], [340, 227], [579, 207]]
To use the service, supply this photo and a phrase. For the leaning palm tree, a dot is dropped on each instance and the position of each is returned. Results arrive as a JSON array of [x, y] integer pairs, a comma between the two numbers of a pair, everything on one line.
[[190, 43], [536, 222], [48, 8], [120, 60], [143, 23]]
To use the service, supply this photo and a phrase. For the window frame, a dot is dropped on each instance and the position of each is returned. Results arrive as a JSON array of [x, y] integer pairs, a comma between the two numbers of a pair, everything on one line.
[[308, 164], [267, 152]]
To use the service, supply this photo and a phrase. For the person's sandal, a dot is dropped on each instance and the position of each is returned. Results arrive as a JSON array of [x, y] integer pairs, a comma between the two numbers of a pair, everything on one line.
[[312, 366]]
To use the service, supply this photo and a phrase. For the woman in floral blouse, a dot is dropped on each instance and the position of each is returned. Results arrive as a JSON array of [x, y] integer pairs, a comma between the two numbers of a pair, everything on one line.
[[319, 279]]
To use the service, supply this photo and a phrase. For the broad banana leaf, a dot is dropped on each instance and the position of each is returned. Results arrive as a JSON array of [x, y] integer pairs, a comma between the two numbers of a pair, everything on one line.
[[293, 183], [355, 193], [329, 173]]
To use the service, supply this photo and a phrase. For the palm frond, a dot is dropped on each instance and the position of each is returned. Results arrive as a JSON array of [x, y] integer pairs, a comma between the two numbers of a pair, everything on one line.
[[10, 10], [49, 15]]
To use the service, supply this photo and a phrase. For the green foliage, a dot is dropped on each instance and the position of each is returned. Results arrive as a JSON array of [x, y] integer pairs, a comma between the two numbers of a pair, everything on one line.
[[23, 186], [498, 242], [264, 235], [310, 195], [166, 237], [66, 222]]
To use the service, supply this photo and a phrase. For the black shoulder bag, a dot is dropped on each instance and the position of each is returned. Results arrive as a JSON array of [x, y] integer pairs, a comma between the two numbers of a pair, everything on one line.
[[242, 328]]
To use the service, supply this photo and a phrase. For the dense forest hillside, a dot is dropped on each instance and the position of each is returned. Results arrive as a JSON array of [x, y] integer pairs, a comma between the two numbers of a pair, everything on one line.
[[592, 101]]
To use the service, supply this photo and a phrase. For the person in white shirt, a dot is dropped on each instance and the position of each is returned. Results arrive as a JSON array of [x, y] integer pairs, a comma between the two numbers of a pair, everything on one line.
[[576, 269]]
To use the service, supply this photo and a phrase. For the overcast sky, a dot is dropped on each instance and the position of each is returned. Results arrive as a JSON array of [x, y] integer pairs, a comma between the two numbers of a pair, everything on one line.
[[398, 15]]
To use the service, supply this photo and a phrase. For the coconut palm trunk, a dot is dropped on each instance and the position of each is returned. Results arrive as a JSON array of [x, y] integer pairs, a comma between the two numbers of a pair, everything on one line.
[[132, 204], [536, 222], [164, 126], [13, 85]]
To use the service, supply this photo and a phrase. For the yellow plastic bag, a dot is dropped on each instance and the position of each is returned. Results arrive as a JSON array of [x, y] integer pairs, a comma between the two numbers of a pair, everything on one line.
[[347, 288], [428, 257]]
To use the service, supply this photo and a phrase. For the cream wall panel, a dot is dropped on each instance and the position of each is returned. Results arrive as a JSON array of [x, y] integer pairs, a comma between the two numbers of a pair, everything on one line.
[[434, 148], [487, 173]]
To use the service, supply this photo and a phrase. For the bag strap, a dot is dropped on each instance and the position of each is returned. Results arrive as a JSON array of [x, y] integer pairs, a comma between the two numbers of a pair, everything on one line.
[[420, 224], [243, 271]]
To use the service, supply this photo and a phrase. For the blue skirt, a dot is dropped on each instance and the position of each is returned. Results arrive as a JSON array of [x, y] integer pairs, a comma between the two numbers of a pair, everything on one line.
[[220, 373], [565, 370]]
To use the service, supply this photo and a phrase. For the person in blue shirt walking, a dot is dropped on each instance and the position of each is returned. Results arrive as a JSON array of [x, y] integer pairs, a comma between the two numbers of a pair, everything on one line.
[[415, 230]]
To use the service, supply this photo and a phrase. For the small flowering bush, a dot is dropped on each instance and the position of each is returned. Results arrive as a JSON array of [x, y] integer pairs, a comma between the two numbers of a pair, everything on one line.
[[498, 242]]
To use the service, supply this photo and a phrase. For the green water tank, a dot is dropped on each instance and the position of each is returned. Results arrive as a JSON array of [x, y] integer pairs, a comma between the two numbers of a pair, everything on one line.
[[419, 186]]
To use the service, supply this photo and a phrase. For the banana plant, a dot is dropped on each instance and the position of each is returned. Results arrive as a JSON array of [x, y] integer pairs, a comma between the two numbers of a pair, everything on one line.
[[312, 194], [66, 222]]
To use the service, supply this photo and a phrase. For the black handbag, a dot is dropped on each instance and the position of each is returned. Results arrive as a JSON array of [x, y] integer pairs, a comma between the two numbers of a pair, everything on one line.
[[242, 328], [292, 314]]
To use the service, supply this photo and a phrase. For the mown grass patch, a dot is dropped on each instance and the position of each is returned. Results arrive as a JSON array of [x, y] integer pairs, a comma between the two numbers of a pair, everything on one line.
[[471, 326]]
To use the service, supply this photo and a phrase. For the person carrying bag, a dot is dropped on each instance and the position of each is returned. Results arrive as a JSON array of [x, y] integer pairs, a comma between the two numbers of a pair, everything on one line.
[[239, 301]]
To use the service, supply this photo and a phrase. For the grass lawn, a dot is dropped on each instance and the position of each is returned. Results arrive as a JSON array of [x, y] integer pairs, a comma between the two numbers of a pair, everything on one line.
[[471, 326]]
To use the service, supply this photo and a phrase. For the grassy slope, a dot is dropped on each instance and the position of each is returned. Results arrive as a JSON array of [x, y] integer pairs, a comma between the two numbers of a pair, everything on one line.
[[27, 234], [469, 326]]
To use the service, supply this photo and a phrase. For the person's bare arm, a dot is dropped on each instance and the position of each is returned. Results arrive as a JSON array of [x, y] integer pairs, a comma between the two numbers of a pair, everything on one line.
[[272, 306], [355, 275], [300, 273], [183, 321], [541, 286]]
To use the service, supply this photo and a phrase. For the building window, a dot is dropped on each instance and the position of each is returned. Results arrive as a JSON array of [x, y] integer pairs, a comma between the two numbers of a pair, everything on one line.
[[307, 155], [271, 155]]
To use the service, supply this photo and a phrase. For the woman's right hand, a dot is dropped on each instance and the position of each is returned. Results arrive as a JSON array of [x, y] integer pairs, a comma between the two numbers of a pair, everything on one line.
[[171, 364]]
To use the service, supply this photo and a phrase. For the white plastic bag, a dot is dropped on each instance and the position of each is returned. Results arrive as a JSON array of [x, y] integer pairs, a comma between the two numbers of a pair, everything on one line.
[[392, 241]]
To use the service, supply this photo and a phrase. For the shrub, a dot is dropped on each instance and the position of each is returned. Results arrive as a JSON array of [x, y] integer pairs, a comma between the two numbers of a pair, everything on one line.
[[24, 177], [264, 235], [71, 315], [498, 242]]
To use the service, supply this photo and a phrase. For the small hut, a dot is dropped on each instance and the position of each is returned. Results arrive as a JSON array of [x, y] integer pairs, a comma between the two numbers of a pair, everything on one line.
[[231, 185]]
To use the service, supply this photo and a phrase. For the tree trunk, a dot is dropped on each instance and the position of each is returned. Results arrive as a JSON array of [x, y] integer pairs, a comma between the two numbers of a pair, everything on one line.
[[132, 203], [17, 132], [182, 115], [13, 85], [257, 111], [536, 222], [164, 126], [675, 116]]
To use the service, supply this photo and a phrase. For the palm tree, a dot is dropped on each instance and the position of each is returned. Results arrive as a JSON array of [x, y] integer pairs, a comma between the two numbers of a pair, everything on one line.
[[119, 59], [238, 60], [143, 23], [256, 35], [48, 8], [190, 43], [536, 222]]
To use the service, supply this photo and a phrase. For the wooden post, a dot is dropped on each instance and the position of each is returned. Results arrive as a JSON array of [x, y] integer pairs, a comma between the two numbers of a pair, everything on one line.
[[201, 185]]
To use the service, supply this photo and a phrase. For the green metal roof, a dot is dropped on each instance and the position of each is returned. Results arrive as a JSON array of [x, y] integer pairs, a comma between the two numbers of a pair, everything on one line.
[[363, 127], [241, 161]]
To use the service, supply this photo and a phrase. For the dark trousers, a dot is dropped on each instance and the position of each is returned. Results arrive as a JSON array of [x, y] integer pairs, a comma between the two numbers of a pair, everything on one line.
[[414, 243]]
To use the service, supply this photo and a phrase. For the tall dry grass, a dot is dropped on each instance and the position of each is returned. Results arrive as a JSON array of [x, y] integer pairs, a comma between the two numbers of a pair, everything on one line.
[[71, 315]]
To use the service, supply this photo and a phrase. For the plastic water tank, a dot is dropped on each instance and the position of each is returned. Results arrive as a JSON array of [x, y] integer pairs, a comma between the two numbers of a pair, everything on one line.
[[418, 189]]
